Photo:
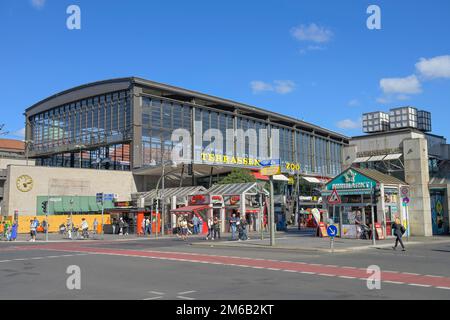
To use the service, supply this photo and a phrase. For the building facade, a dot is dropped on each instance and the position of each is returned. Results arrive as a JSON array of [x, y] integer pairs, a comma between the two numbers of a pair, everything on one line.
[[421, 160], [129, 125]]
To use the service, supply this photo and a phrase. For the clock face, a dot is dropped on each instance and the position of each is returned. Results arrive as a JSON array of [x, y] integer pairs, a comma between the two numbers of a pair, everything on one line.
[[24, 183]]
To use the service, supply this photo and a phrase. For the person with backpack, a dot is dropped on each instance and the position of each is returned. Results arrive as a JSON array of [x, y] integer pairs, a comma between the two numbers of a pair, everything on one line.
[[399, 230]]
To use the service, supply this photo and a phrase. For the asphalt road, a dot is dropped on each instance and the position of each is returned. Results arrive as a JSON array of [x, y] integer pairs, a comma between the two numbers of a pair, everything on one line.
[[173, 269]]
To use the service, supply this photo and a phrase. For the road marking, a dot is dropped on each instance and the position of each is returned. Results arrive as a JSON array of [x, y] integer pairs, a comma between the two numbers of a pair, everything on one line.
[[394, 282], [430, 275], [347, 277], [154, 298], [419, 285], [326, 275], [5, 261], [156, 292], [186, 292], [185, 298], [290, 271], [446, 288], [307, 272], [273, 269], [412, 274]]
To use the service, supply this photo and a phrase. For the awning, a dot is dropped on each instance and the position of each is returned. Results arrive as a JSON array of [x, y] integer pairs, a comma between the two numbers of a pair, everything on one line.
[[377, 158], [280, 177], [394, 156], [363, 159], [188, 209], [259, 176], [312, 180]]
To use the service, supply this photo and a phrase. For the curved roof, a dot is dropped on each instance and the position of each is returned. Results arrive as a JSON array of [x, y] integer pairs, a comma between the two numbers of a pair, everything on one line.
[[102, 87]]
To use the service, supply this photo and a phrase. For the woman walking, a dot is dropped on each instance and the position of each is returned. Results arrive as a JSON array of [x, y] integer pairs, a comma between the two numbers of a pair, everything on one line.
[[14, 231], [399, 230]]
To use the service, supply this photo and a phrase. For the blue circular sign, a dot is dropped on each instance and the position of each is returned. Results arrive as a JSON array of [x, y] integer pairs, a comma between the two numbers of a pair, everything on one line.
[[332, 231]]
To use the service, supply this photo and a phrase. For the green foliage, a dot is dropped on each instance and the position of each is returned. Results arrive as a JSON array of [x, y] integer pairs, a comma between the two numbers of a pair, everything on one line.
[[238, 175]]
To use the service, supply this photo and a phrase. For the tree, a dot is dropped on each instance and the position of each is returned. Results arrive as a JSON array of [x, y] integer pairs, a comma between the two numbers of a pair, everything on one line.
[[2, 132], [238, 176]]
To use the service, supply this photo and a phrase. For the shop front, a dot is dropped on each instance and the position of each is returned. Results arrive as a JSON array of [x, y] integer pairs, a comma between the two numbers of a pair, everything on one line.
[[365, 197]]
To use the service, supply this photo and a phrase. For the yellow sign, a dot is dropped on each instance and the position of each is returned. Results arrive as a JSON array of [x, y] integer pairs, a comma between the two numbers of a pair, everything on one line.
[[242, 161], [270, 171]]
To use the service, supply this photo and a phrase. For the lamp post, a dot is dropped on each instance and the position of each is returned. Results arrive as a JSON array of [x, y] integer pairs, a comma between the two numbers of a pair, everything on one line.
[[27, 146]]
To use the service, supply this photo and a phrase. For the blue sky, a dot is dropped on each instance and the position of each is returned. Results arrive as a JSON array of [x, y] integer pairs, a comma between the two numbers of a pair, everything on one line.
[[313, 60]]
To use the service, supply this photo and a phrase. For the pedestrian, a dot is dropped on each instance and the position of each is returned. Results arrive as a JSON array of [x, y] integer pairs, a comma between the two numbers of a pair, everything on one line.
[[242, 230], [143, 227], [113, 225], [8, 231], [216, 224], [195, 222], [210, 229], [33, 230], [184, 229], [399, 230], [95, 226], [148, 223], [126, 227], [44, 226], [121, 226], [14, 229], [84, 228], [233, 225], [69, 228]]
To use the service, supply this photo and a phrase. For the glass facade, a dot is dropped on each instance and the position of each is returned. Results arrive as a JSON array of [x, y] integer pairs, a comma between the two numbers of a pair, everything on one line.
[[97, 127], [299, 151], [97, 133]]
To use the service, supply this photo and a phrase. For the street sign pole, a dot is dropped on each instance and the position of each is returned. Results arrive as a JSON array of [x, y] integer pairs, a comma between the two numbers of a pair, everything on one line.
[[272, 214], [373, 220], [103, 212], [261, 216], [332, 232]]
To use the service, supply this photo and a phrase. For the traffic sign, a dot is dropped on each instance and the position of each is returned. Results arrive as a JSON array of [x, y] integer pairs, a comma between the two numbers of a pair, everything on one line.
[[269, 163], [334, 198], [406, 200], [332, 231], [404, 191], [99, 197], [270, 167]]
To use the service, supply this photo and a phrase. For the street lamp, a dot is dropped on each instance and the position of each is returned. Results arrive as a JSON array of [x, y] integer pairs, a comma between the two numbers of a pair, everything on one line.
[[27, 146], [162, 181]]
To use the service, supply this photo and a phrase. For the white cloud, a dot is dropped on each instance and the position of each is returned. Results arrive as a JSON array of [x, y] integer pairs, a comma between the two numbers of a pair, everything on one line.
[[408, 85], [349, 124], [437, 67], [284, 86], [38, 4], [313, 32], [19, 133], [353, 103], [260, 86], [278, 86]]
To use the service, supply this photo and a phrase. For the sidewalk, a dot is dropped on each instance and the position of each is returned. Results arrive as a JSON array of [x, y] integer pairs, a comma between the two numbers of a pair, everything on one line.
[[298, 241], [56, 237]]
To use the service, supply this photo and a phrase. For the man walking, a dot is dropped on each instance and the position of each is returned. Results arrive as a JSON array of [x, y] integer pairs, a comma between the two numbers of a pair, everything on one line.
[[33, 230], [195, 222], [399, 230], [233, 225]]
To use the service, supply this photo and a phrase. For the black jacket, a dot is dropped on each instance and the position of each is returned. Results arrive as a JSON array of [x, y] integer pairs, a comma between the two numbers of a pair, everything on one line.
[[397, 229]]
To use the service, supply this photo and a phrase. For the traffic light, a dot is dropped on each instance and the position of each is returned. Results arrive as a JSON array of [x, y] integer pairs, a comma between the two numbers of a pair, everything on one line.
[[376, 194], [190, 169], [44, 206]]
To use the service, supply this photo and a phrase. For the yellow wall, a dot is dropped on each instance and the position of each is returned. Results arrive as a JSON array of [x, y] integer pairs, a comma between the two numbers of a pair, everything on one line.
[[56, 221]]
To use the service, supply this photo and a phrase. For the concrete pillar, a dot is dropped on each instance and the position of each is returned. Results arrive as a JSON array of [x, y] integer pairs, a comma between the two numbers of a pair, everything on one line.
[[136, 153], [415, 152], [348, 156]]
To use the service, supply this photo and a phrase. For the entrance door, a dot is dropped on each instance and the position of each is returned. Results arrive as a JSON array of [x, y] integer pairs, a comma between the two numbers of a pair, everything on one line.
[[439, 215]]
